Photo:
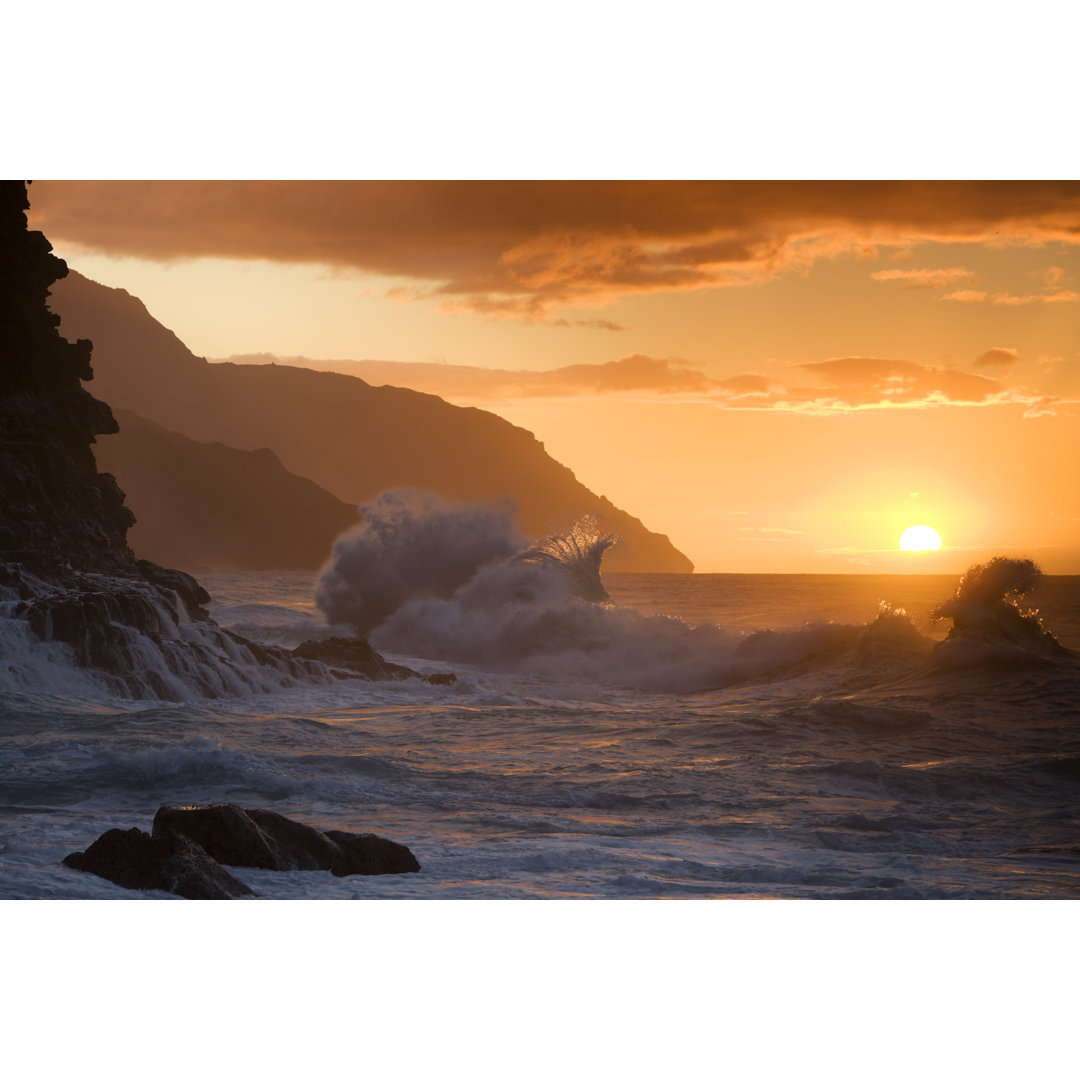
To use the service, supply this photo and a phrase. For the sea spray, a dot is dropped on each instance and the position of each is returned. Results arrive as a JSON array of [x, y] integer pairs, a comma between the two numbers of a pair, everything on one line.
[[576, 555], [985, 610], [544, 611], [411, 544], [129, 639]]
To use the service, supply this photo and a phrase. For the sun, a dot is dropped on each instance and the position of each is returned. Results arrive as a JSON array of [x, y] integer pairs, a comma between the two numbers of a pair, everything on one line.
[[920, 538]]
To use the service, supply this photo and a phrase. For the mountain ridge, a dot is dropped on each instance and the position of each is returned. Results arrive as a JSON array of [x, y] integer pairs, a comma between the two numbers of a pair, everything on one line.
[[209, 506], [352, 439]]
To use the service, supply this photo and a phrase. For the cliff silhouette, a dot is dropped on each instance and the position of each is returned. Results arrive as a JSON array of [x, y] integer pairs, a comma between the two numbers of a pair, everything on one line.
[[60, 515], [72, 590], [352, 439], [206, 505]]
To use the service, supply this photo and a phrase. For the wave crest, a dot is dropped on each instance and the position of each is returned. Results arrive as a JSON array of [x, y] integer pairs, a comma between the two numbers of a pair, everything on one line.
[[411, 544], [985, 609]]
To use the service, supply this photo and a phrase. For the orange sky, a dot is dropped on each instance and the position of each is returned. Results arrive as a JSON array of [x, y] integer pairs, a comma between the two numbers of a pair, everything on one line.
[[779, 376]]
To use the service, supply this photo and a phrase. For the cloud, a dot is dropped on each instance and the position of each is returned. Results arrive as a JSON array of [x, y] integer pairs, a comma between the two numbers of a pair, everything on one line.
[[966, 296], [637, 375], [819, 388], [768, 533], [599, 324], [864, 381], [998, 357], [925, 279], [1063, 296], [1045, 406], [521, 249]]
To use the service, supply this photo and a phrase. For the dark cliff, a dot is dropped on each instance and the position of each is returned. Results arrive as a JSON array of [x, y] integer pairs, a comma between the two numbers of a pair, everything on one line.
[[59, 513], [67, 575]]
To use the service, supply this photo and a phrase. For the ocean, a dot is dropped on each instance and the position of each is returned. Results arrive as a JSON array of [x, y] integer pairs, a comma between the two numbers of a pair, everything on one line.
[[710, 736]]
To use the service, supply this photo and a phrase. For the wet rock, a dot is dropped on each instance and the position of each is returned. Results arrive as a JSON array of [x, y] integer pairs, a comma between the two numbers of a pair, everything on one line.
[[167, 861], [270, 841], [64, 556], [193, 595], [356, 655]]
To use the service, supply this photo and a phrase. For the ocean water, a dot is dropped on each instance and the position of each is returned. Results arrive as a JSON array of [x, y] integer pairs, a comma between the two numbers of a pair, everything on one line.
[[694, 736]]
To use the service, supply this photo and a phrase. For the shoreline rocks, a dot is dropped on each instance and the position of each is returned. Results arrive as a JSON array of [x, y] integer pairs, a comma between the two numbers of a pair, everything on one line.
[[267, 840], [169, 863], [65, 564], [357, 656], [185, 852]]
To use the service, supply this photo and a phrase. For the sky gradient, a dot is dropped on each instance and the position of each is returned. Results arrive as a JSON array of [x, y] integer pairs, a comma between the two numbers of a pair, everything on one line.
[[780, 376]]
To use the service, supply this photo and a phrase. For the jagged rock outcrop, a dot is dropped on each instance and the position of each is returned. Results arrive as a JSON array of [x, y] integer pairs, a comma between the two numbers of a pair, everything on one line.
[[353, 439], [66, 569], [59, 513]]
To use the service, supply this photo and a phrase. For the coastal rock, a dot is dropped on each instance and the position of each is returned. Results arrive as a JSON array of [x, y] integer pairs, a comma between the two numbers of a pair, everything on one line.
[[59, 514], [356, 655], [65, 565], [166, 861], [270, 841]]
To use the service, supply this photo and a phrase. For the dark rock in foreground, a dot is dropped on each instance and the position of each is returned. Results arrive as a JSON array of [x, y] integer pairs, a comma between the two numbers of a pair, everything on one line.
[[169, 862], [269, 841], [189, 843], [356, 655]]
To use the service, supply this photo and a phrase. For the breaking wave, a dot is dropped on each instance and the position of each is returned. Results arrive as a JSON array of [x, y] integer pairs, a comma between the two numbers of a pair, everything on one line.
[[430, 579], [543, 610], [411, 544], [988, 623]]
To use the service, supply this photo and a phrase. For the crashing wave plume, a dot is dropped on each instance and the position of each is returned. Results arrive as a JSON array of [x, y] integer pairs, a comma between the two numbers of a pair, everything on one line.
[[577, 554]]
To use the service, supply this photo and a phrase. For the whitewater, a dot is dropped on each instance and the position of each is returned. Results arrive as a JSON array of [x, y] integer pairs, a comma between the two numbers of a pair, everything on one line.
[[616, 736]]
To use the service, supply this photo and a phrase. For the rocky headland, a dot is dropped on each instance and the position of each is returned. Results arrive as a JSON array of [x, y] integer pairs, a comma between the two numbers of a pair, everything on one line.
[[67, 574]]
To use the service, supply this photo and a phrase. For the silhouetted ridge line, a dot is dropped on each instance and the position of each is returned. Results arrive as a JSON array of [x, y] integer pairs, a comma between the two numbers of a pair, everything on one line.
[[354, 440], [207, 505]]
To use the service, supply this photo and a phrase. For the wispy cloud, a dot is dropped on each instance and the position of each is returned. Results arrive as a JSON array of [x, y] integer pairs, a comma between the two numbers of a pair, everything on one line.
[[1051, 276], [1044, 406], [1062, 296], [823, 387], [998, 357], [926, 279], [966, 296], [767, 533]]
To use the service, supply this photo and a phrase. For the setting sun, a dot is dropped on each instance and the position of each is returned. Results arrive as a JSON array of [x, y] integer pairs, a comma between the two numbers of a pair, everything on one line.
[[920, 538]]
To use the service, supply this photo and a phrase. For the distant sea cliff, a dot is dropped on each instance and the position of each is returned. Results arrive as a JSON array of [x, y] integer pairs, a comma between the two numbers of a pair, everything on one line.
[[207, 507]]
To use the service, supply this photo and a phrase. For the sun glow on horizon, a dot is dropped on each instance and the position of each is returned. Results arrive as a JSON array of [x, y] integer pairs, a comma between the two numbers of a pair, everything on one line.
[[920, 538]]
